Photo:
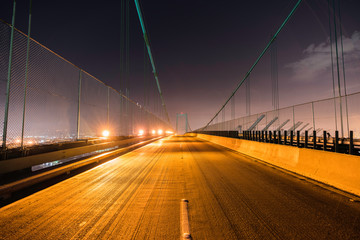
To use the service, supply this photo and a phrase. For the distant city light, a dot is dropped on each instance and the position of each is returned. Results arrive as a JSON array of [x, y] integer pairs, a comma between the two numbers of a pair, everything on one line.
[[153, 132], [141, 132], [105, 133], [160, 131], [169, 132]]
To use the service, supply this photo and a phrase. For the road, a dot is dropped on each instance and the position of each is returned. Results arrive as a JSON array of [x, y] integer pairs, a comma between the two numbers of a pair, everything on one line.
[[137, 196]]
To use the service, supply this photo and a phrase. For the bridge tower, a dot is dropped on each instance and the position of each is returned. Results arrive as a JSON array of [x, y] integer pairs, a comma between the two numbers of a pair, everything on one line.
[[181, 117]]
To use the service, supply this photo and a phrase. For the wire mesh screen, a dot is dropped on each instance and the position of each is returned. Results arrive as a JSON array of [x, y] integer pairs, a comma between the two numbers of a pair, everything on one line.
[[115, 113], [58, 101], [50, 110], [313, 116], [93, 106]]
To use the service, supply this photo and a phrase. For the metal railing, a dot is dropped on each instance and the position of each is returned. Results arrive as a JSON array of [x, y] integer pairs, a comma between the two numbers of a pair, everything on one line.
[[312, 116], [310, 139]]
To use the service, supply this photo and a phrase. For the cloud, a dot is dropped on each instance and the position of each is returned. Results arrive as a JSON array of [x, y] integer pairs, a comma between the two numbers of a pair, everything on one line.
[[316, 60]]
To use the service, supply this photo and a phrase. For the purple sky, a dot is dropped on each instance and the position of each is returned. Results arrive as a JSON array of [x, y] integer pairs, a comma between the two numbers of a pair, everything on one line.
[[202, 49]]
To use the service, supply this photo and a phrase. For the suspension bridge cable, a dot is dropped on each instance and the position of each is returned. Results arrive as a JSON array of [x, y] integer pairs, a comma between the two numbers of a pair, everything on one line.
[[257, 60], [122, 45], [343, 68], [6, 112], [127, 47], [338, 71], [138, 9], [332, 64], [26, 75]]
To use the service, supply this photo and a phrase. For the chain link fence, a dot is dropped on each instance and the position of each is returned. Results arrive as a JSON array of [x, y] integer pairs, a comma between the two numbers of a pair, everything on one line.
[[322, 115], [60, 101]]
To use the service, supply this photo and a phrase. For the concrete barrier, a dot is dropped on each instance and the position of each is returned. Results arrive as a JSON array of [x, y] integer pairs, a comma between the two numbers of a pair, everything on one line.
[[7, 189], [15, 164], [335, 169]]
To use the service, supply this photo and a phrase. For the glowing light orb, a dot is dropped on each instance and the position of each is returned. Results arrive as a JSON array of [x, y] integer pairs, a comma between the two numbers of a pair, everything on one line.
[[105, 133]]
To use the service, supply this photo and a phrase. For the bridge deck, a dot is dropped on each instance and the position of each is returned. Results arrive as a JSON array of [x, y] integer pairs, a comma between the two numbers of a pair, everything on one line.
[[137, 196]]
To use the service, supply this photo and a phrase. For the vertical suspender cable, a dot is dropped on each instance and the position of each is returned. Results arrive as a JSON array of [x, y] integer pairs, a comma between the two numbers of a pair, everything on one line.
[[343, 66], [26, 76], [79, 105], [338, 72], [122, 75], [293, 110], [332, 64], [6, 114], [257, 60], [144, 76], [127, 66], [127, 46], [122, 34]]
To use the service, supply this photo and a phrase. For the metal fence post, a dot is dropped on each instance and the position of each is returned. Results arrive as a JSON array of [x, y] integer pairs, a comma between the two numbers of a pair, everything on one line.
[[298, 138], [279, 137], [313, 114], [266, 136], [336, 143], [78, 109], [275, 137], [122, 114], [351, 143], [6, 114], [293, 108], [108, 107]]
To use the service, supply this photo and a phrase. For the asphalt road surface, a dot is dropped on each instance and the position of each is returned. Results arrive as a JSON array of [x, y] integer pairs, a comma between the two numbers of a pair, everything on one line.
[[137, 196]]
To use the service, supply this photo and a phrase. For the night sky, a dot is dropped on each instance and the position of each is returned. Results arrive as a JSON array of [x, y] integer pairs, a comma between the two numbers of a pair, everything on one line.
[[202, 49]]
